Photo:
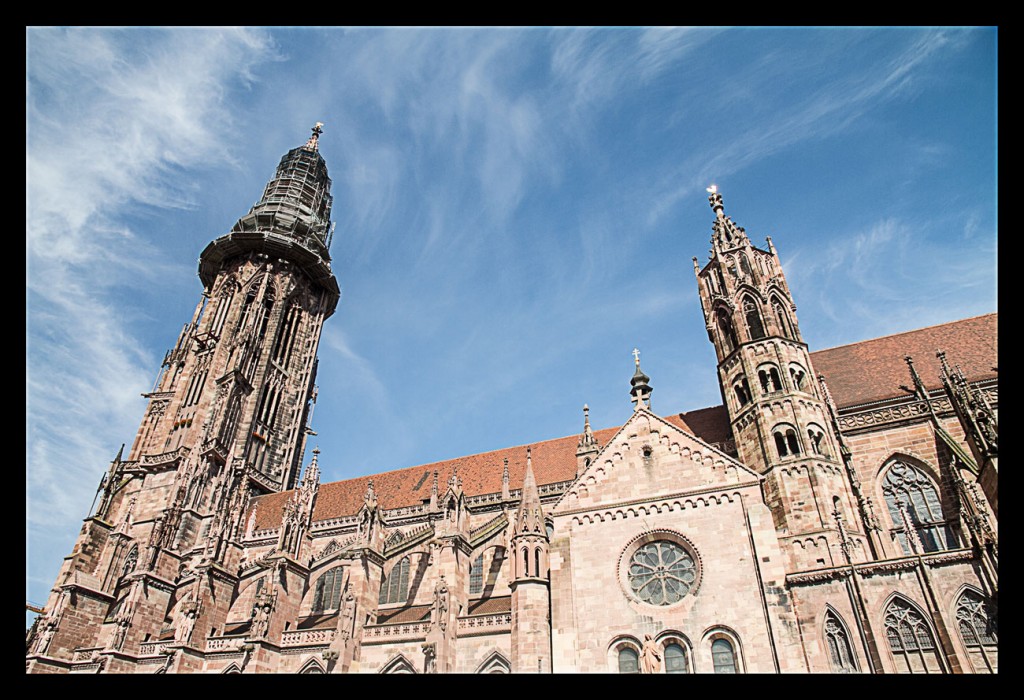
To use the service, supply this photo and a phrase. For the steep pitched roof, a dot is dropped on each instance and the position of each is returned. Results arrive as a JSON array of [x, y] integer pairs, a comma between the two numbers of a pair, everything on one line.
[[553, 461], [872, 370], [858, 373]]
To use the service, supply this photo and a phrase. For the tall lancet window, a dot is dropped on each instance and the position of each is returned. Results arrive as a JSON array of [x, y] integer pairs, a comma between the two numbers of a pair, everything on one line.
[[977, 628], [911, 496], [753, 317], [910, 639], [782, 319], [726, 332], [840, 653]]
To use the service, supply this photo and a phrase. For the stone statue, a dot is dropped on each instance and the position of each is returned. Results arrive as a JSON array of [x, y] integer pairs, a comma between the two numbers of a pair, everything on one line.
[[429, 657], [45, 636], [348, 615], [186, 622], [650, 656], [439, 613]]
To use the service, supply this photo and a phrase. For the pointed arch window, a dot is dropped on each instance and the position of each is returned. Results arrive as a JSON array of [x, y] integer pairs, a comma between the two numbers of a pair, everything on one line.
[[782, 319], [755, 327], [745, 266], [726, 332], [723, 656], [910, 639], [327, 592], [977, 627], [395, 588], [911, 496], [476, 576], [840, 653]]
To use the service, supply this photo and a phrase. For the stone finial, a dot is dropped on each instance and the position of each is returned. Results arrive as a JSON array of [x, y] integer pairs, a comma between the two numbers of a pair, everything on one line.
[[715, 200], [312, 144]]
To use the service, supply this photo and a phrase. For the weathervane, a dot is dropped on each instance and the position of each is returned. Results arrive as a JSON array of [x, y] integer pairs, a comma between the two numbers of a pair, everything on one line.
[[317, 130]]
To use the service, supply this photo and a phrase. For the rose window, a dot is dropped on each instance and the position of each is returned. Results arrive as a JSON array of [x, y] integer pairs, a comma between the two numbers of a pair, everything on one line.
[[661, 573]]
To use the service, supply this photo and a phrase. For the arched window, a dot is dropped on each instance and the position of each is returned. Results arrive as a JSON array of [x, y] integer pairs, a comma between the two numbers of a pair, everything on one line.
[[742, 389], [327, 592], [726, 332], [817, 441], [799, 377], [785, 441], [526, 562], [536, 561], [476, 576], [675, 659], [840, 654], [629, 660], [395, 588], [768, 376], [911, 495], [910, 639], [755, 328], [723, 656], [978, 632]]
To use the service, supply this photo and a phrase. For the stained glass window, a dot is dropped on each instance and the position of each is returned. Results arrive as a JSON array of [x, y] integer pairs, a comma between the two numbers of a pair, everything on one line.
[[629, 661], [910, 639], [675, 659], [839, 651], [327, 594], [978, 631], [395, 588], [723, 656], [907, 487], [661, 572]]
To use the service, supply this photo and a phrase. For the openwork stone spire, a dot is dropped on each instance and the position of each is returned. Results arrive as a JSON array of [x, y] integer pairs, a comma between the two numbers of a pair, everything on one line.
[[531, 517]]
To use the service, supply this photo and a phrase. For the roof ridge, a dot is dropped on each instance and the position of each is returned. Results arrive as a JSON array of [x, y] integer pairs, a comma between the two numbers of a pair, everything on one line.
[[915, 330]]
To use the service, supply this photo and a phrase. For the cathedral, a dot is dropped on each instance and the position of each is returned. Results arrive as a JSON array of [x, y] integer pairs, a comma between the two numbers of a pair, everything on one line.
[[837, 514]]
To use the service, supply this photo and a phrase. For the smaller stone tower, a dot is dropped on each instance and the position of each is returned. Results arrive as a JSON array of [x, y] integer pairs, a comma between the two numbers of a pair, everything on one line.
[[531, 592]]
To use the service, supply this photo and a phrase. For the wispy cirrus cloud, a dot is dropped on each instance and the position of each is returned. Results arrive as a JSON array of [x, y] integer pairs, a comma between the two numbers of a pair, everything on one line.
[[116, 120], [771, 121]]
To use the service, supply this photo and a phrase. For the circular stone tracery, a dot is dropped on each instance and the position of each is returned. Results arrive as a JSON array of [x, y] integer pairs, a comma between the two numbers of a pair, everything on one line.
[[661, 572]]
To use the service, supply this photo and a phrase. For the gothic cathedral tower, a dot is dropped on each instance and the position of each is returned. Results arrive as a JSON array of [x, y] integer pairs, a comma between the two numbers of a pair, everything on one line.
[[227, 420], [777, 410]]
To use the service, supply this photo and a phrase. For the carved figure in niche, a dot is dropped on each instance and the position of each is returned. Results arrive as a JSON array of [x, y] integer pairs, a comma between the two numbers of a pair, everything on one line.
[[45, 636], [439, 613], [186, 622], [261, 616], [120, 632], [650, 656], [348, 615]]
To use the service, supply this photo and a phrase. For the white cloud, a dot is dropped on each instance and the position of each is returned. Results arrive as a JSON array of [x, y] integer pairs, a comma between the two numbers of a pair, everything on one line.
[[116, 120]]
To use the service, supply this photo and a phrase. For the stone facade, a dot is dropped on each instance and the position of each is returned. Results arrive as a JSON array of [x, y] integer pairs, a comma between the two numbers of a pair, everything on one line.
[[833, 522]]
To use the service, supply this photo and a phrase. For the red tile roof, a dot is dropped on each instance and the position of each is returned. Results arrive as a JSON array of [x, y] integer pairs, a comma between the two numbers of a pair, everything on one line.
[[490, 606], [874, 369], [416, 613], [856, 373]]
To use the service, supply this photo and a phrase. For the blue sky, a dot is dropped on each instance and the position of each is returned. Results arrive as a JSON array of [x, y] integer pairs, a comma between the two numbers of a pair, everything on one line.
[[515, 210]]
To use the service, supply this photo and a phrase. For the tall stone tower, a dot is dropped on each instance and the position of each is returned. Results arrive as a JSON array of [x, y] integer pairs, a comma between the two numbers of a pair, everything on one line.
[[227, 420], [779, 418]]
